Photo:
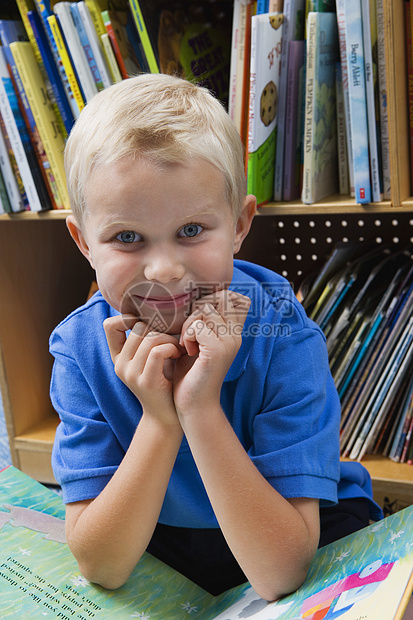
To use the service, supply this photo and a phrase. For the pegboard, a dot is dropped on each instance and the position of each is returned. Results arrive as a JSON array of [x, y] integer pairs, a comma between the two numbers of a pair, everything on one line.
[[296, 245]]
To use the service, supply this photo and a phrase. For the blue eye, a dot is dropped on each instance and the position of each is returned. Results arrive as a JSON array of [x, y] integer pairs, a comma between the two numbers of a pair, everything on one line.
[[190, 230], [128, 236]]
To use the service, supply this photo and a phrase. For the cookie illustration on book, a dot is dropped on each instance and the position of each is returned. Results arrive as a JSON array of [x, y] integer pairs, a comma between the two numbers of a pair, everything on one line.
[[268, 105]]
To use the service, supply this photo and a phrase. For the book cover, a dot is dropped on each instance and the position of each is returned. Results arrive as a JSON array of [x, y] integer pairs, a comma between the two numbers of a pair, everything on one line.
[[293, 121], [11, 31], [293, 30], [320, 170], [73, 45], [52, 139], [37, 195], [190, 39], [266, 38], [358, 101], [125, 43], [371, 100], [365, 575], [51, 75]]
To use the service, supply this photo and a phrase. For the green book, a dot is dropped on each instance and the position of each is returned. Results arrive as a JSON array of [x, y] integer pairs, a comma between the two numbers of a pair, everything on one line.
[[366, 575]]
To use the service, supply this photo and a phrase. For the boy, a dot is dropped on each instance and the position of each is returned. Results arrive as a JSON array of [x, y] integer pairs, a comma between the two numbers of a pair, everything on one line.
[[199, 419]]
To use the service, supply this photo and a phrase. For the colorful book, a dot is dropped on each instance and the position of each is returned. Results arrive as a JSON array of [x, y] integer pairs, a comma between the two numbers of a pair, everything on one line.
[[116, 27], [320, 170], [10, 32], [358, 100], [190, 39], [371, 101], [44, 117], [37, 195], [76, 94], [9, 178], [51, 75], [95, 44], [85, 43], [75, 50], [365, 575], [293, 30], [293, 121], [266, 38]]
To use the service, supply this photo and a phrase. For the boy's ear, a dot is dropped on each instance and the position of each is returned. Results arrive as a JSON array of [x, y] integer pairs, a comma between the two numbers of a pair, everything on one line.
[[243, 224], [79, 238]]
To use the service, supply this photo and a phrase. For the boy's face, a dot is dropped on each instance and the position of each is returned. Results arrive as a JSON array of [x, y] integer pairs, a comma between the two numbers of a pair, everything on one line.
[[159, 239]]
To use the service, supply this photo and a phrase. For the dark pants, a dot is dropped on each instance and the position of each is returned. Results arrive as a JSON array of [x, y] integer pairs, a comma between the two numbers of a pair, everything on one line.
[[204, 556]]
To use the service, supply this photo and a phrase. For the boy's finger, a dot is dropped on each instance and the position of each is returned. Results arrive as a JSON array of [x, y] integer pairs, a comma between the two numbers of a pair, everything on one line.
[[115, 329]]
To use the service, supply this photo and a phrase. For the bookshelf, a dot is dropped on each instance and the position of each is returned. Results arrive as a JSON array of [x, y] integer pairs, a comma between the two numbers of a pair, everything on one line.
[[43, 277]]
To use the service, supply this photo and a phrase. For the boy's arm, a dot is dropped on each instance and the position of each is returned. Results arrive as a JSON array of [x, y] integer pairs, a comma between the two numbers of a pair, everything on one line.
[[108, 534], [273, 539]]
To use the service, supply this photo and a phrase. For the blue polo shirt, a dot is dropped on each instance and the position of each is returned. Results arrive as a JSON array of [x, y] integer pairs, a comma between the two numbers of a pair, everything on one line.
[[278, 395]]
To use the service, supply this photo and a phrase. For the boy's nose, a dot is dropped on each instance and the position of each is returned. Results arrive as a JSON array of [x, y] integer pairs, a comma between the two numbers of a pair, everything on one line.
[[164, 267]]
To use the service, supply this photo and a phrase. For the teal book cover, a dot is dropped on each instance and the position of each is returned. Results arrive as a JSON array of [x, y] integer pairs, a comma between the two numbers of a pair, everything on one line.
[[367, 575]]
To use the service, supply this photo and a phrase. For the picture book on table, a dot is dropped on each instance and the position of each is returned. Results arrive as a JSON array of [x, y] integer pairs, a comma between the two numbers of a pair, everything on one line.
[[320, 169], [365, 575], [265, 66]]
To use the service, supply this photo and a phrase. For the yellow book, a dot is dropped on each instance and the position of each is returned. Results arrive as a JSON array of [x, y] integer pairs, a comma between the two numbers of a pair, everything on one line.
[[95, 7], [57, 35], [41, 107], [111, 58]]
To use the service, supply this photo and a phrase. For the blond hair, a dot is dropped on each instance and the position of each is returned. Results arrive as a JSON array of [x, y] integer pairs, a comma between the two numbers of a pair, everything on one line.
[[159, 117]]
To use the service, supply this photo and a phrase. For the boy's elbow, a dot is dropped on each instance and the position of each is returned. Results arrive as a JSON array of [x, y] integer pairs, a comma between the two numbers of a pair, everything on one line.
[[107, 578]]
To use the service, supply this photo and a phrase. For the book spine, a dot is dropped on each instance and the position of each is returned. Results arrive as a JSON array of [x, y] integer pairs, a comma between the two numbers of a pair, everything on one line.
[[111, 58], [87, 48], [115, 46], [371, 104], [43, 114], [6, 93], [346, 94], [343, 172], [5, 206], [95, 13], [144, 36], [95, 44], [234, 71], [10, 181], [358, 109], [312, 42], [75, 50], [66, 62], [409, 53], [44, 12], [382, 78]]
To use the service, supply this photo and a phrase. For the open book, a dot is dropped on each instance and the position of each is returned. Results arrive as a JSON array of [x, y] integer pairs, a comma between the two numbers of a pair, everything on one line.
[[365, 575]]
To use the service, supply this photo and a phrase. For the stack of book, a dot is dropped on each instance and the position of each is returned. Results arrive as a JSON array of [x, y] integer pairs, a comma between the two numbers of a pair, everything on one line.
[[328, 113], [56, 55], [362, 300]]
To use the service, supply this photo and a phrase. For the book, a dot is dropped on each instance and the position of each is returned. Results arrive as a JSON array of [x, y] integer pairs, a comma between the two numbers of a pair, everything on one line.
[[55, 41], [266, 38], [190, 39], [76, 94], [85, 43], [293, 30], [320, 171], [123, 36], [8, 162], [293, 121], [371, 100], [52, 140], [409, 62], [111, 58], [382, 86], [5, 206], [74, 46], [95, 44], [343, 168], [358, 101], [51, 75], [365, 575], [37, 195], [10, 32]]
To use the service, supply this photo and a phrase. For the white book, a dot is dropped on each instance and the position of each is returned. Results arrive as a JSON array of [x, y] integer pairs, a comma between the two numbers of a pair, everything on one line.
[[63, 12], [10, 182], [15, 139], [95, 44], [292, 10], [371, 106]]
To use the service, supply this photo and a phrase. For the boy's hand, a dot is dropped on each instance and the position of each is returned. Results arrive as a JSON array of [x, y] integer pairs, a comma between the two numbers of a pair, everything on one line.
[[142, 361], [212, 336]]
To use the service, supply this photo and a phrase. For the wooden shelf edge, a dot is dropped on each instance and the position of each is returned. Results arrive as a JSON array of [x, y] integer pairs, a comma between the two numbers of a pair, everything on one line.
[[39, 437]]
